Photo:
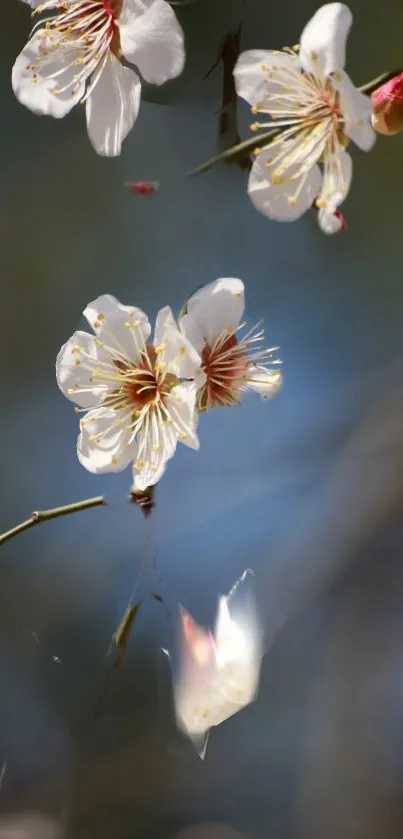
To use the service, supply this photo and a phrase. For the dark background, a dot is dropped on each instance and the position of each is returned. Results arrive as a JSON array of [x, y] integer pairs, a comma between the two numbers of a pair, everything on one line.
[[306, 490]]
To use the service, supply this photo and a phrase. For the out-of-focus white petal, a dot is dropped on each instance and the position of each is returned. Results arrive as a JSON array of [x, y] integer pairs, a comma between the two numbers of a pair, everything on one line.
[[223, 676], [323, 40], [285, 201], [74, 371], [112, 107], [255, 74], [357, 110], [103, 444], [176, 351], [263, 381], [123, 329], [152, 39], [39, 71]]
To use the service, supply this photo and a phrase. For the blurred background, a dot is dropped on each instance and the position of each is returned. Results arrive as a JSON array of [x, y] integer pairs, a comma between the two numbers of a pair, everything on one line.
[[307, 490]]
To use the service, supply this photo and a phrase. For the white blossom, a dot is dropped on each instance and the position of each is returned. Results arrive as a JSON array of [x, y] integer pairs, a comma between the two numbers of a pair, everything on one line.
[[74, 55], [219, 673], [230, 364], [136, 396], [311, 98]]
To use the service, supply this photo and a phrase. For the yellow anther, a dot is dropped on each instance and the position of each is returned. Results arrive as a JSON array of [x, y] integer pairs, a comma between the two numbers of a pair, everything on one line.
[[70, 391], [292, 201], [114, 461], [160, 348], [101, 316], [277, 179], [182, 350], [254, 126], [127, 325], [77, 362], [320, 203], [256, 151]]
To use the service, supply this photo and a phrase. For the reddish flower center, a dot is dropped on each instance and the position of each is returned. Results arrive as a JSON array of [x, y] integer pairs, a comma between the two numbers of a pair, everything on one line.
[[225, 365]]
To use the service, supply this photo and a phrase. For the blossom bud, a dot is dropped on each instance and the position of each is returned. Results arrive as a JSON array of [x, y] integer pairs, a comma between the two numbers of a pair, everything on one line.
[[387, 106]]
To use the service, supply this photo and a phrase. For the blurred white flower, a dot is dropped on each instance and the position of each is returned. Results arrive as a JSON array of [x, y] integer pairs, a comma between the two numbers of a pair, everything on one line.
[[230, 364], [75, 56], [306, 92], [136, 405], [219, 674]]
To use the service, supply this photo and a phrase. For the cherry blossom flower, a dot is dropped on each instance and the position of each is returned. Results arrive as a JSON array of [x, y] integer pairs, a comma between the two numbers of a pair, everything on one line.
[[134, 394], [75, 56], [230, 364], [315, 104], [219, 673], [387, 107]]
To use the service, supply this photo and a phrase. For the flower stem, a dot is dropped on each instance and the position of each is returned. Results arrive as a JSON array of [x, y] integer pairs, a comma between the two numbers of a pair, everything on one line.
[[45, 515], [369, 87], [235, 151]]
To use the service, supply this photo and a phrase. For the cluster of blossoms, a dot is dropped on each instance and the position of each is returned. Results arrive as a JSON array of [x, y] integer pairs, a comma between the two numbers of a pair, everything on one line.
[[75, 55], [141, 397]]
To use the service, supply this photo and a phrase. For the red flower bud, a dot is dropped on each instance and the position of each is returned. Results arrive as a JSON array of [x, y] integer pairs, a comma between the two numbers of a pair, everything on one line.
[[142, 187], [387, 107]]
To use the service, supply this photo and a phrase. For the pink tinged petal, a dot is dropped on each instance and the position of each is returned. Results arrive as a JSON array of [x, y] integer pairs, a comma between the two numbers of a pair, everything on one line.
[[104, 442], [176, 351], [36, 76], [74, 370], [265, 382], [152, 39], [216, 307], [198, 642], [337, 175], [330, 222], [181, 405], [112, 107], [357, 111], [122, 329], [255, 74], [323, 41], [285, 201]]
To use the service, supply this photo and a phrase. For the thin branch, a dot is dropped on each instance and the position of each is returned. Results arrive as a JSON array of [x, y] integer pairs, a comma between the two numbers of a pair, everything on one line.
[[234, 151], [45, 515], [371, 86]]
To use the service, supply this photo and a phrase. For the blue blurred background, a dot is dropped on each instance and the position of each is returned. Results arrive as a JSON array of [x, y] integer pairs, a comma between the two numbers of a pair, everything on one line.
[[307, 490]]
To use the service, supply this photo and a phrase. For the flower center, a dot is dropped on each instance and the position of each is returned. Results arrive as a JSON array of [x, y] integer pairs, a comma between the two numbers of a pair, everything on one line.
[[86, 31], [307, 110], [142, 386], [226, 366]]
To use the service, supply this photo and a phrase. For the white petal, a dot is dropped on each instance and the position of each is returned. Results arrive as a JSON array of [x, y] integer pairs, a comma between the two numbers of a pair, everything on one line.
[[252, 79], [112, 107], [152, 39], [34, 80], [181, 404], [357, 110], [213, 308], [265, 382], [155, 445], [330, 222], [74, 371], [337, 175], [50, 4], [103, 444], [323, 41], [286, 201], [123, 329], [176, 351]]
